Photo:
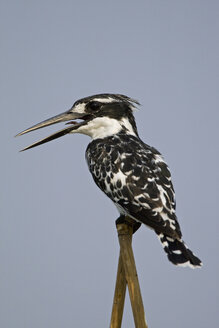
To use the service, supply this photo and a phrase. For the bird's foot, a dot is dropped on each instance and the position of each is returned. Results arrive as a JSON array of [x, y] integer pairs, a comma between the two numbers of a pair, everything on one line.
[[127, 220]]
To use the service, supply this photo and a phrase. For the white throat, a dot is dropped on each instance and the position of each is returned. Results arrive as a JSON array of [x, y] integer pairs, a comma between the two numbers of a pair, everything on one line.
[[102, 127]]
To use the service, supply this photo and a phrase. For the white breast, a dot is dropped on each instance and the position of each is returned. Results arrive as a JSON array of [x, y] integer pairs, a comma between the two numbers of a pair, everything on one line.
[[102, 127]]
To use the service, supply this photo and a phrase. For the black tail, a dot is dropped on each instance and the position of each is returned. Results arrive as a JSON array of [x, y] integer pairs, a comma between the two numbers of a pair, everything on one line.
[[178, 253]]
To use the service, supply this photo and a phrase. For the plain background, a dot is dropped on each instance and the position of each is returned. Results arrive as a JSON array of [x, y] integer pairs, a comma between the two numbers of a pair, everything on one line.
[[58, 242]]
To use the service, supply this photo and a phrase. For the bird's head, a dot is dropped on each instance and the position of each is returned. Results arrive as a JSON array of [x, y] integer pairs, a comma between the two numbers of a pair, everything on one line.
[[100, 116]]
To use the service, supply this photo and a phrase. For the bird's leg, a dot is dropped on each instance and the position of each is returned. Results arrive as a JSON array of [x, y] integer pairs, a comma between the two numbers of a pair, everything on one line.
[[127, 220]]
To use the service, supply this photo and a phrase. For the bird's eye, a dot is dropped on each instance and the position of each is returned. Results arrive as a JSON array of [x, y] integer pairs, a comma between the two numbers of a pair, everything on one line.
[[94, 105]]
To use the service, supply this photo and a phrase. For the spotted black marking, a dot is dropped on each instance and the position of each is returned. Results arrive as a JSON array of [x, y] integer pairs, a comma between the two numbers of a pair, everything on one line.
[[177, 252], [136, 178], [128, 168]]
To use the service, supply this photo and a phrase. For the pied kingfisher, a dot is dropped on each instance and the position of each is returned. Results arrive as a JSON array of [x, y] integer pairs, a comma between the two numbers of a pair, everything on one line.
[[131, 173]]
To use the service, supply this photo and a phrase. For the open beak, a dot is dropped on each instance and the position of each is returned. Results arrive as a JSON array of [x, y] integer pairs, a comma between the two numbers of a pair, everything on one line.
[[66, 116]]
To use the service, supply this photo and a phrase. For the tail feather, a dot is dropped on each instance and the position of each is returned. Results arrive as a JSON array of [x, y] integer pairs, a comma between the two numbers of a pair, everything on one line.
[[178, 253]]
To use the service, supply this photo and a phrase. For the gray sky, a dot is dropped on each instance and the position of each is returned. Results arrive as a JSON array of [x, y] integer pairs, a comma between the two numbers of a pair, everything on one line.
[[58, 242]]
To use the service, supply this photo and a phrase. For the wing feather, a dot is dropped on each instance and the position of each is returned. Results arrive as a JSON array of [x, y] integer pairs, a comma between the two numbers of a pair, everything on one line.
[[136, 178]]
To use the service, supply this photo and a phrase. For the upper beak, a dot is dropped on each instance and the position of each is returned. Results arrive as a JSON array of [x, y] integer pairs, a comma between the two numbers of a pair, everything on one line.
[[66, 116]]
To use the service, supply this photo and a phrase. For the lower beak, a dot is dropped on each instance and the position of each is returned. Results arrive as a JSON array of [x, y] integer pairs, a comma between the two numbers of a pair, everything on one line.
[[66, 116]]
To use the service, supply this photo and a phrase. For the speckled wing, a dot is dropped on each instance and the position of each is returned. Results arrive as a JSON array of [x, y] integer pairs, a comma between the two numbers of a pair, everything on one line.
[[136, 178]]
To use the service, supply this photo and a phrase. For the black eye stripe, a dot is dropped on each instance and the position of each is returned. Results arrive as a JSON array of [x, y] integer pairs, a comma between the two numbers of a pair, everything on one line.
[[94, 105]]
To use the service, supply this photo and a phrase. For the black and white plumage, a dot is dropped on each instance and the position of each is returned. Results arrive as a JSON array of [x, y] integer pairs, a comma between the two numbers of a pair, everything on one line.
[[131, 173]]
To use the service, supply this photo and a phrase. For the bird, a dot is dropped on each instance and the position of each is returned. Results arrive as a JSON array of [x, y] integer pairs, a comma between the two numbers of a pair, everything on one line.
[[131, 173]]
